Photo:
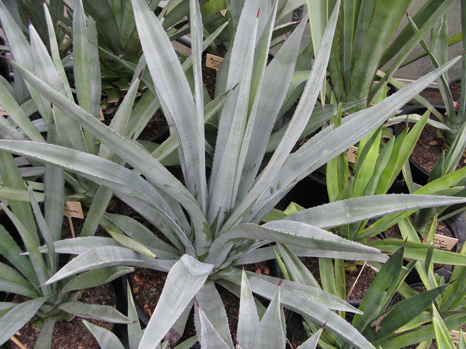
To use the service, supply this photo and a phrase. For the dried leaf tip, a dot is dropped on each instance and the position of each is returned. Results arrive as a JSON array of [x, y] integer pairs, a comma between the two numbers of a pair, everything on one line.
[[281, 280], [140, 74], [235, 86], [258, 11]]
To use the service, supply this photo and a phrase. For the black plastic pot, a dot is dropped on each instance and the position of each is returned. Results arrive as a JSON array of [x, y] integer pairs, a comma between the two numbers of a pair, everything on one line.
[[310, 191], [4, 67]]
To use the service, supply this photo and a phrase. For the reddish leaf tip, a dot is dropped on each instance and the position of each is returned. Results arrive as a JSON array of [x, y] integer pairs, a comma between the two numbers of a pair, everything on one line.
[[258, 11]]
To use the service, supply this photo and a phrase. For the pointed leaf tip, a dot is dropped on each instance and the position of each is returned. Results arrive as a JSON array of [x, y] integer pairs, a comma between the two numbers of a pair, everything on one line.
[[258, 11]]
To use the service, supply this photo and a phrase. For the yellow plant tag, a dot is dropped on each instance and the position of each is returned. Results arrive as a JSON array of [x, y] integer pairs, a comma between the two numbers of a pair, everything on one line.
[[213, 62], [351, 155], [73, 209]]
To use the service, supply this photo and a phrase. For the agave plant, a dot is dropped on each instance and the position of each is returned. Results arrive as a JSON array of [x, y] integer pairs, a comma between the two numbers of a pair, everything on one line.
[[454, 119], [24, 275], [87, 85], [382, 321], [447, 312], [214, 225], [256, 329], [366, 42]]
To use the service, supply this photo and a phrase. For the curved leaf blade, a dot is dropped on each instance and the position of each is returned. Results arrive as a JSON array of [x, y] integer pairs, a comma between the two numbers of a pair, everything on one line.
[[175, 297]]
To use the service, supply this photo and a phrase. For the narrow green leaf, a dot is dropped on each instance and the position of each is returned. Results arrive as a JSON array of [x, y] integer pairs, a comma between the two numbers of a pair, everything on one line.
[[106, 173], [11, 177], [143, 235], [300, 304], [16, 318], [197, 36], [442, 335], [54, 191], [108, 256], [21, 50], [81, 74], [68, 131], [401, 313], [52, 261], [105, 338], [11, 251], [294, 129], [228, 161], [12, 282], [129, 152], [11, 106], [95, 311], [270, 332], [358, 209], [375, 39], [291, 233], [94, 278], [175, 95], [297, 270], [209, 337], [175, 297], [248, 316], [328, 143], [46, 332], [124, 240], [29, 239], [209, 300], [383, 282], [134, 329], [311, 343], [337, 168], [55, 52]]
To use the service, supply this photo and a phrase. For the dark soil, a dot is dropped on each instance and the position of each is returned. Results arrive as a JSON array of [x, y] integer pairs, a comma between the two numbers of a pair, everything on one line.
[[71, 334], [360, 280], [455, 89], [209, 77], [428, 148]]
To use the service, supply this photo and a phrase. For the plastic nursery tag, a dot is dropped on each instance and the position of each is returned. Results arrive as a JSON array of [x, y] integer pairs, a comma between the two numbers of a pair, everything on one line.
[[444, 242], [351, 155], [213, 62], [73, 209], [455, 336]]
